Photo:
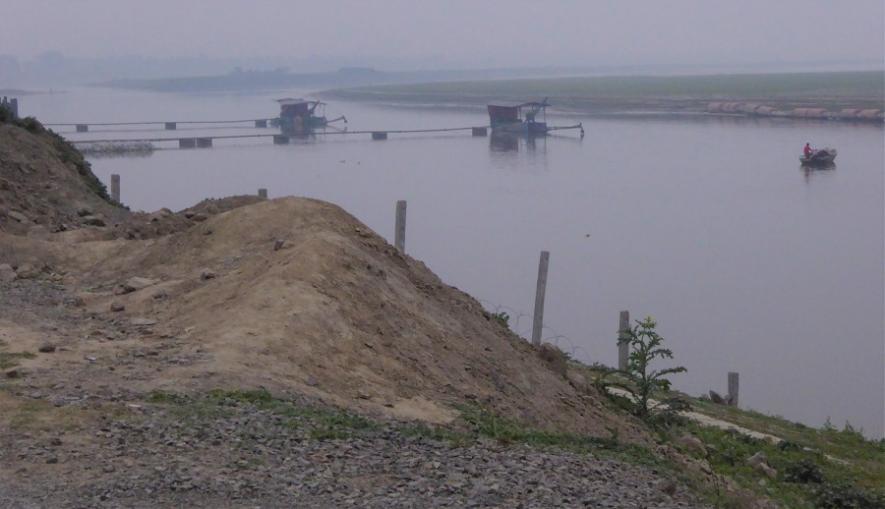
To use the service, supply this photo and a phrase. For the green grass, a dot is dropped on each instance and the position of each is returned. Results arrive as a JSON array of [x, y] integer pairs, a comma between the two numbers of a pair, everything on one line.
[[322, 423], [847, 444], [860, 473], [481, 423], [11, 359], [728, 453]]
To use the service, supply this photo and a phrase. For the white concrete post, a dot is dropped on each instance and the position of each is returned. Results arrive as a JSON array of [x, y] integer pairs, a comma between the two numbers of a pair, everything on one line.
[[540, 293], [733, 386], [400, 232], [115, 188]]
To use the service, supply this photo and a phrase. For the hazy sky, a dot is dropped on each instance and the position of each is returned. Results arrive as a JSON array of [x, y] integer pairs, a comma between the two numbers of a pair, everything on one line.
[[454, 33]]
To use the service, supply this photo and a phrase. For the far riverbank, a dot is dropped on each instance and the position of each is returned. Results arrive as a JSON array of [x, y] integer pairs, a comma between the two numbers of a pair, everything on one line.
[[845, 96]]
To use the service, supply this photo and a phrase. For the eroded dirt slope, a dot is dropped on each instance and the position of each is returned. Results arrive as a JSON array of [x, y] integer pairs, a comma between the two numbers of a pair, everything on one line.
[[295, 294]]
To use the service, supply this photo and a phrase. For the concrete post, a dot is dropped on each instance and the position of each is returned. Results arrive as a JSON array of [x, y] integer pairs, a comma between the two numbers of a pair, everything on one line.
[[540, 293], [13, 106], [733, 386], [115, 187], [262, 193], [400, 231], [623, 341]]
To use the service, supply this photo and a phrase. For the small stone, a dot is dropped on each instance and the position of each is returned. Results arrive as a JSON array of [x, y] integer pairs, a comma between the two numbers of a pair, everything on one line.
[[76, 301], [767, 470], [46, 348], [18, 216], [123, 290], [716, 398], [160, 294], [7, 274], [83, 212], [668, 486], [198, 217], [27, 271], [116, 307], [138, 283], [52, 460], [13, 373], [207, 274], [55, 442], [759, 462], [93, 221], [142, 322], [693, 444], [757, 458], [278, 244]]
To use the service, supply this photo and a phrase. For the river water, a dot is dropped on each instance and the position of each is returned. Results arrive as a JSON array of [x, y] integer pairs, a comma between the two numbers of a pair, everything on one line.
[[748, 262]]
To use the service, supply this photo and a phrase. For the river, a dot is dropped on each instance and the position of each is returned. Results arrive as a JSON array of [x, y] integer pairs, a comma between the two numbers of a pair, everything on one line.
[[748, 262]]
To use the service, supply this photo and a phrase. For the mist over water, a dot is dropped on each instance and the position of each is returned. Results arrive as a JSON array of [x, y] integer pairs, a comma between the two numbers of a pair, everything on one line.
[[748, 262]]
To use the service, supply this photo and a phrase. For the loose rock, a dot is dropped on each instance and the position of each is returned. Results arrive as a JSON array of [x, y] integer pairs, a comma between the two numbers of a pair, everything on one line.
[[93, 221], [7, 273], [693, 444]]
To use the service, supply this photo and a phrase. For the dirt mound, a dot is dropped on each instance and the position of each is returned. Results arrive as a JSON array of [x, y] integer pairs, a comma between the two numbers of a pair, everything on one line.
[[297, 295], [45, 184]]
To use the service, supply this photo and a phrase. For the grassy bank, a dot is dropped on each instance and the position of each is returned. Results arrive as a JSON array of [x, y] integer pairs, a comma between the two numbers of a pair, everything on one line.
[[807, 467], [832, 89]]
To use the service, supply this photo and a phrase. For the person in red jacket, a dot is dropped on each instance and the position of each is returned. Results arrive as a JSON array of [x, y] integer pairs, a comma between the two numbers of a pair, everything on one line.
[[808, 150]]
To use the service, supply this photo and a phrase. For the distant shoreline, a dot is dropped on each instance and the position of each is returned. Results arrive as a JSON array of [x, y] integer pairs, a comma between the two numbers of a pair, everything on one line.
[[843, 96]]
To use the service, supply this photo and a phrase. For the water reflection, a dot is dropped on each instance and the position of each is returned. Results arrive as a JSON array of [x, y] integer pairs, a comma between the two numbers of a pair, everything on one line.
[[810, 172], [504, 142], [511, 142]]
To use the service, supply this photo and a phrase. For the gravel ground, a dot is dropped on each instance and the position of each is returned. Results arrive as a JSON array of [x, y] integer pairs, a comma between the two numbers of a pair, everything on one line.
[[222, 452]]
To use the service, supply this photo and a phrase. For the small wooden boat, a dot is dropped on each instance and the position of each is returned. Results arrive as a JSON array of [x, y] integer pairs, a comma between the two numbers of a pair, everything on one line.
[[822, 157]]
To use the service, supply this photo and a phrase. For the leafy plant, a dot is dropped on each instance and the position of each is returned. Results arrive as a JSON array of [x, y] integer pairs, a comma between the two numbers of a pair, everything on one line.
[[804, 472], [502, 318], [845, 496], [32, 125], [642, 382]]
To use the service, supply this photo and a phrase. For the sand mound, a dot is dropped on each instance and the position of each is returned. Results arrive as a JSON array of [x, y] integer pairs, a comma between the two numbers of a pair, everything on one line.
[[297, 295]]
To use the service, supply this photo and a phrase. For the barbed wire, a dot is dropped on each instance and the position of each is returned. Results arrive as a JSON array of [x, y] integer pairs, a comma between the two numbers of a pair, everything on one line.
[[548, 334]]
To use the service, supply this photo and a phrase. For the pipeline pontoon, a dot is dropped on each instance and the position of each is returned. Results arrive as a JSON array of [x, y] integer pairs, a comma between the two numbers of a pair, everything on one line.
[[300, 116], [523, 118]]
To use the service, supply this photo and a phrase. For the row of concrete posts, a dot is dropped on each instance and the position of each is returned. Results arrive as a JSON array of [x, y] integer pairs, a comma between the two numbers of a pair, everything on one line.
[[624, 330]]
